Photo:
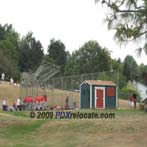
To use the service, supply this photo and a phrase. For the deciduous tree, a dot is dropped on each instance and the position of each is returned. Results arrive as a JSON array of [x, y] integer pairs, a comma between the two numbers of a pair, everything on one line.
[[89, 58]]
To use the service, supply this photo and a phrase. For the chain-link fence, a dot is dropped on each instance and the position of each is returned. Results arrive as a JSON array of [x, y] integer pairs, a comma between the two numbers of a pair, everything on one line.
[[58, 89], [73, 82]]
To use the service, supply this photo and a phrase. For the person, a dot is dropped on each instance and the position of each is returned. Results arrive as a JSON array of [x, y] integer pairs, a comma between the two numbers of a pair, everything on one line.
[[131, 101], [3, 104], [135, 99], [67, 99], [18, 104], [45, 101], [11, 81], [3, 77], [74, 105], [66, 103], [14, 105]]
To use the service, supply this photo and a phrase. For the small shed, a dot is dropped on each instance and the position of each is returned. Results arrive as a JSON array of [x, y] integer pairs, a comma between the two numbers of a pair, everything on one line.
[[98, 94]]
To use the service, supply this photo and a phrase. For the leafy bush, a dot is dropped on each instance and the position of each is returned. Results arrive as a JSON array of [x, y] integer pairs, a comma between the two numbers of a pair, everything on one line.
[[127, 91]]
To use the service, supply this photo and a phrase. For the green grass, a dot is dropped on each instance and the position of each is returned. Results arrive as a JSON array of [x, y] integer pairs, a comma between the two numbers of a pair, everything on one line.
[[18, 113], [17, 130], [127, 129]]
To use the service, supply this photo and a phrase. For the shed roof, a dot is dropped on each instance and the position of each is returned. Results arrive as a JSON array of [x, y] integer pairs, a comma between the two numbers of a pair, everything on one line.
[[99, 82]]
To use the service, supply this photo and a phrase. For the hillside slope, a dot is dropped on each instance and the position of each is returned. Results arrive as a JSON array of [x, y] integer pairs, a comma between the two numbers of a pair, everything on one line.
[[11, 93]]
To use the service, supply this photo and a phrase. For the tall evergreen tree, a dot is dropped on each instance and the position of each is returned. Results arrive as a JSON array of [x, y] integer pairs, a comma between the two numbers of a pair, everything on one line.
[[130, 68], [56, 51], [30, 53], [129, 19]]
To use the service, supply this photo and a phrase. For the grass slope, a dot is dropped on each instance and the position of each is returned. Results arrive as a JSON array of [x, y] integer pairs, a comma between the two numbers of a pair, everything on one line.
[[56, 97], [11, 93], [128, 129], [17, 129]]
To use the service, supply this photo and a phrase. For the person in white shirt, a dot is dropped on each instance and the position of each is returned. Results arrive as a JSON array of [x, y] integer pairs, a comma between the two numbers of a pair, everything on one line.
[[11, 81], [18, 103], [3, 77], [4, 104]]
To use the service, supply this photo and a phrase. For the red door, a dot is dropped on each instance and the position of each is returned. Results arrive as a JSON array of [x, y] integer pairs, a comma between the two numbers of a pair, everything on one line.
[[99, 98]]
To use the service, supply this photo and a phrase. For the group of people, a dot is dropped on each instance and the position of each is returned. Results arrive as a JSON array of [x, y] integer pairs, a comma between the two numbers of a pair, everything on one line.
[[74, 104], [16, 106], [133, 100], [28, 103], [36, 103], [3, 78]]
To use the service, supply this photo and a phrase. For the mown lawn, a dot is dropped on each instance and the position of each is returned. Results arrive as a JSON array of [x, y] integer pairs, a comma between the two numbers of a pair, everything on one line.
[[128, 128]]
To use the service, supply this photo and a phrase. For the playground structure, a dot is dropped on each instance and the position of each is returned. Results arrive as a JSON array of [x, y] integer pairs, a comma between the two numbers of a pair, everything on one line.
[[43, 82]]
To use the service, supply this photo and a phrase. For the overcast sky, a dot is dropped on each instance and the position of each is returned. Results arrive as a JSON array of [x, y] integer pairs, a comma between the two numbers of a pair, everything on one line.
[[74, 22]]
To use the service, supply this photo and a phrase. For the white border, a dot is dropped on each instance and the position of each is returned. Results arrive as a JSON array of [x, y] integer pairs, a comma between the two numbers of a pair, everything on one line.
[[103, 88]]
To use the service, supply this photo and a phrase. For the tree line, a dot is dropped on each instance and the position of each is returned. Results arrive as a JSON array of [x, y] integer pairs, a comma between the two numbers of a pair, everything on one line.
[[26, 54]]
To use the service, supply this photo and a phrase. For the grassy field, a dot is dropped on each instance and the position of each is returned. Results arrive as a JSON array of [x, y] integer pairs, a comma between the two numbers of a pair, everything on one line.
[[128, 128], [17, 129]]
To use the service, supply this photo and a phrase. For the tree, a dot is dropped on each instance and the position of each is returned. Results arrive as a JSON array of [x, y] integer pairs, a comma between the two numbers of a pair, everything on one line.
[[89, 58], [30, 53], [142, 68], [56, 51], [130, 68], [115, 64], [9, 67], [72, 68], [9, 42], [9, 51], [128, 18], [143, 73]]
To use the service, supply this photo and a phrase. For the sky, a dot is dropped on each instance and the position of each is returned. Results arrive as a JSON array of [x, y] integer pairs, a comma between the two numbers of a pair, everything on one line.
[[74, 22]]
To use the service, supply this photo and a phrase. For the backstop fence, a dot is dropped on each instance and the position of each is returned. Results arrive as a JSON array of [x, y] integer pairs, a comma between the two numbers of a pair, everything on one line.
[[59, 88]]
